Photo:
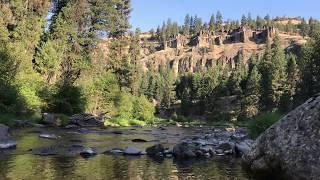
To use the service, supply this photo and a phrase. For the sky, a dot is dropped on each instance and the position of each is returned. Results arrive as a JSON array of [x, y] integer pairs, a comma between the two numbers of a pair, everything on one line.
[[149, 14]]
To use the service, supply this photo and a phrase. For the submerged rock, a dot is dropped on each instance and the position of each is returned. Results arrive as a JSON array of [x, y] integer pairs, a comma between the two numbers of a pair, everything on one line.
[[46, 151], [117, 151], [48, 136], [291, 147], [6, 141], [132, 151], [64, 150], [88, 152], [139, 140]]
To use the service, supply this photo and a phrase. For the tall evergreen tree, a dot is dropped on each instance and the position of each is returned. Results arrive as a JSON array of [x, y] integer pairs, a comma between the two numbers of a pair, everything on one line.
[[212, 23], [278, 71], [310, 69], [251, 96], [186, 26], [244, 20], [219, 20], [197, 24], [287, 99]]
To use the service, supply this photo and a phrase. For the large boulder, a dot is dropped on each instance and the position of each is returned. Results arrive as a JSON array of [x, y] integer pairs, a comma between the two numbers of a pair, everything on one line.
[[290, 148], [86, 120], [156, 150], [51, 120], [6, 141]]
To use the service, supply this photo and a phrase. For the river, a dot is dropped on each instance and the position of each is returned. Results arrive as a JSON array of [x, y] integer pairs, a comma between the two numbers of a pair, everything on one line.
[[21, 163]]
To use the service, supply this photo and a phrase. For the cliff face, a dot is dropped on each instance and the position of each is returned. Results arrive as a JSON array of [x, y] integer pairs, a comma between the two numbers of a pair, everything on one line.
[[206, 49], [189, 54]]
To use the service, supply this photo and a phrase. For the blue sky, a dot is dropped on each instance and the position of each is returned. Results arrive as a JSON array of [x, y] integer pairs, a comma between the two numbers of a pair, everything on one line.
[[148, 14]]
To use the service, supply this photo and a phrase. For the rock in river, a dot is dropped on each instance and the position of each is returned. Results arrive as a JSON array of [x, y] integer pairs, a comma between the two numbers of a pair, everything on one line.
[[48, 136], [117, 151], [6, 141], [290, 148], [139, 140], [132, 151], [155, 151], [88, 152]]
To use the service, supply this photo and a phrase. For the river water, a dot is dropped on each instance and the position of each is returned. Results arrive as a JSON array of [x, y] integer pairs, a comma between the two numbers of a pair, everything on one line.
[[20, 163]]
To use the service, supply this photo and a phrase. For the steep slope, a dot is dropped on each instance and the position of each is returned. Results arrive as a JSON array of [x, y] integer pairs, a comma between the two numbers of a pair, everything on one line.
[[193, 58]]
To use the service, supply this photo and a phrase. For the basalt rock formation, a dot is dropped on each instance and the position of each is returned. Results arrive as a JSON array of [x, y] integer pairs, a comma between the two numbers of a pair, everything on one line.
[[209, 48], [290, 149]]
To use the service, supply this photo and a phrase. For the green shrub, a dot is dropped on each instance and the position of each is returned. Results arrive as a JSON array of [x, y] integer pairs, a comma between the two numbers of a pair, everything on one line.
[[7, 119], [262, 122], [67, 99], [125, 106], [143, 109], [124, 122]]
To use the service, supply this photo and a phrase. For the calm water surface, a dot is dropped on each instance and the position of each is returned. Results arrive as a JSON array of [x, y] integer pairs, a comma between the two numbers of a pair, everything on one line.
[[22, 164]]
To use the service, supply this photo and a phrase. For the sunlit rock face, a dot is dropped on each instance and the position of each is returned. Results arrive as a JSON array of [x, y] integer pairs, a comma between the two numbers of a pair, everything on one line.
[[290, 149]]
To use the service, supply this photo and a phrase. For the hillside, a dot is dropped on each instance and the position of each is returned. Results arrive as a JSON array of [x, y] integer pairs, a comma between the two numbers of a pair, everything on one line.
[[189, 54]]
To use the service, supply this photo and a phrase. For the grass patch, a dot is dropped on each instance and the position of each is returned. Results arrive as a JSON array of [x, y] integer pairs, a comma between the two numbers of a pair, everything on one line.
[[262, 122], [124, 122]]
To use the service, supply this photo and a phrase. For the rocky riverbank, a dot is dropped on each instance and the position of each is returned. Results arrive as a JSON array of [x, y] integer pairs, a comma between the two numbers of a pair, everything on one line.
[[200, 142]]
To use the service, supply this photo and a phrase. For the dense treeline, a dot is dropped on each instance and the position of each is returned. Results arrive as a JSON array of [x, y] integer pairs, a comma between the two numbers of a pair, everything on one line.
[[59, 67], [193, 25]]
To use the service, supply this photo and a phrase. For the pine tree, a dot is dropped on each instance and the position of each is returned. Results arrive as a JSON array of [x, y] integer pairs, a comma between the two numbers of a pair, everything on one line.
[[219, 20], [310, 69], [265, 68], [234, 83], [186, 26], [244, 20], [278, 71], [252, 93], [197, 24], [212, 23], [287, 102], [304, 27]]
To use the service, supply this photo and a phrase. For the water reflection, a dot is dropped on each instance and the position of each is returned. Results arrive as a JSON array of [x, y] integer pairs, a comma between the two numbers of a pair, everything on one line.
[[21, 164]]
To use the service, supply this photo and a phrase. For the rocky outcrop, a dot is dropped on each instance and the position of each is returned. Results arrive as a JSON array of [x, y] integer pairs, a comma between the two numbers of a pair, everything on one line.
[[86, 120], [51, 120], [6, 141], [291, 147], [207, 50], [219, 143]]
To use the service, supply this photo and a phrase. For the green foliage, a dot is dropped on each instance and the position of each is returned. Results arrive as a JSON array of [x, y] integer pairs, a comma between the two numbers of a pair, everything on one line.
[[102, 89], [130, 107], [125, 106], [66, 99], [262, 122], [124, 122], [251, 97], [310, 68], [143, 109]]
